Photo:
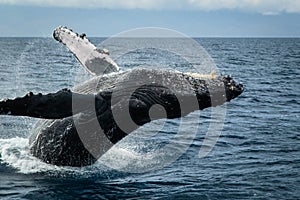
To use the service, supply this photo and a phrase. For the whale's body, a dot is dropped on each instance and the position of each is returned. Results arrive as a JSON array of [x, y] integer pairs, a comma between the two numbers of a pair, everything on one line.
[[79, 126]]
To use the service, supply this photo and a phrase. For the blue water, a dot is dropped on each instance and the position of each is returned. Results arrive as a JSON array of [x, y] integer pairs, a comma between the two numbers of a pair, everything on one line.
[[256, 157]]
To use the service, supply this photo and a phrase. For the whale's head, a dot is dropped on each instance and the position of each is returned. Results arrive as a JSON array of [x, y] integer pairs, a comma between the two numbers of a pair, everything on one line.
[[232, 88], [217, 88], [192, 91], [154, 94], [213, 90]]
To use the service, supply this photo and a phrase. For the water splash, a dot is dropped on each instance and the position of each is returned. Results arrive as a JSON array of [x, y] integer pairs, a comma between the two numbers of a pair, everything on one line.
[[15, 153]]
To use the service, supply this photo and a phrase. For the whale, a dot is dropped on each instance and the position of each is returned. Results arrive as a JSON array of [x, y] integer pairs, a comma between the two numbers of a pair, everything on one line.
[[77, 126]]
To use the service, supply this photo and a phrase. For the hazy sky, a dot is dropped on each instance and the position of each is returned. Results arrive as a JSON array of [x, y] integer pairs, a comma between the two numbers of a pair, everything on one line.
[[209, 18]]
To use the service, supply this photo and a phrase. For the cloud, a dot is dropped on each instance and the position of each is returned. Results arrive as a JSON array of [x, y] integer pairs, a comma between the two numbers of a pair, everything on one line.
[[267, 7]]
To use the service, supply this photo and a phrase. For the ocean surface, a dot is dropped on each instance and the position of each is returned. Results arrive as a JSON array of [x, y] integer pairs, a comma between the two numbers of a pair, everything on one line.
[[257, 155]]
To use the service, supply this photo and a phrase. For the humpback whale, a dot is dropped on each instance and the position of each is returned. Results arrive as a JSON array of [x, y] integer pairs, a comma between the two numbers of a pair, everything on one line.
[[78, 126]]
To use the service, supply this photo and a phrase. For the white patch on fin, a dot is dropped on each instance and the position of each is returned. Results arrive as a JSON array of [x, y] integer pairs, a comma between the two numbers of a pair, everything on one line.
[[94, 60]]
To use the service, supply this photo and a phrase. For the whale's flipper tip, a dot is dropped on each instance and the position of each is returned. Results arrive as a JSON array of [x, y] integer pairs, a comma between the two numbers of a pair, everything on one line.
[[94, 61]]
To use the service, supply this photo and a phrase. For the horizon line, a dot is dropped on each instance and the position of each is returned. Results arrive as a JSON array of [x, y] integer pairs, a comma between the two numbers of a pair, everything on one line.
[[229, 37]]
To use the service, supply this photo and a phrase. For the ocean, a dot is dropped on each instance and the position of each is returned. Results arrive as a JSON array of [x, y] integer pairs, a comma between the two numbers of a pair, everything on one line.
[[256, 156]]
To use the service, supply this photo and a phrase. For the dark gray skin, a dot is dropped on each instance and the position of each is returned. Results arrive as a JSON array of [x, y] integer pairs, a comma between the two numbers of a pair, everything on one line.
[[71, 138]]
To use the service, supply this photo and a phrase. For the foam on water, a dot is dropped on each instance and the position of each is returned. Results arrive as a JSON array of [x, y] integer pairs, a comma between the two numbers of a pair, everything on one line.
[[138, 152], [15, 153]]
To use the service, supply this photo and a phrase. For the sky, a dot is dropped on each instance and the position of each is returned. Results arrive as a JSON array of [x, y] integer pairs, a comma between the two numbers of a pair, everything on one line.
[[195, 18]]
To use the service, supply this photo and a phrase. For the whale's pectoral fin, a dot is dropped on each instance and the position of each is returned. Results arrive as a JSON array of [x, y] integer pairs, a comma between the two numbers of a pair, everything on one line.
[[61, 104], [95, 61]]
